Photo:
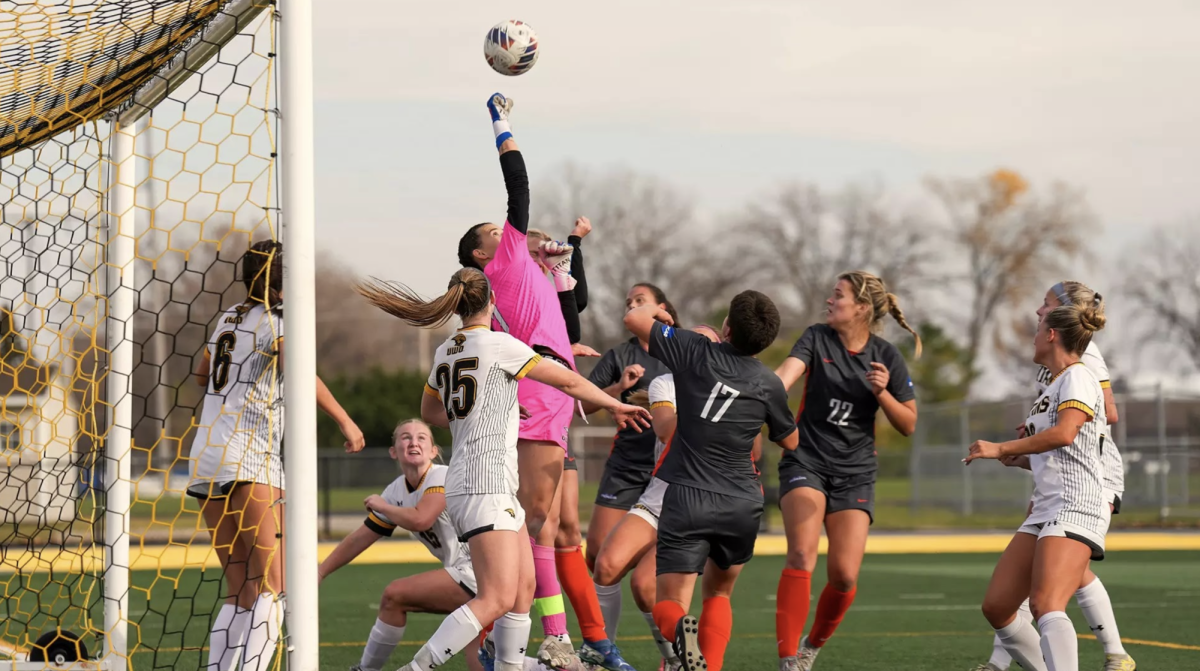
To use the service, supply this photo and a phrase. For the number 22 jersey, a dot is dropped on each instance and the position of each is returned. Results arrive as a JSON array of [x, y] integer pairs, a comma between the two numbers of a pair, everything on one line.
[[837, 413]]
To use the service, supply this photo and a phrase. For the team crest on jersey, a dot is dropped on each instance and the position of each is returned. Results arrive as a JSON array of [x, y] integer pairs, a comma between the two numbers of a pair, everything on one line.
[[459, 340]]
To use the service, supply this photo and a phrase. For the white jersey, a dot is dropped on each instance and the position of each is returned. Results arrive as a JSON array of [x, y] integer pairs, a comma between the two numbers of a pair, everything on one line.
[[441, 539], [475, 374], [662, 395], [1067, 483], [241, 424], [1113, 465]]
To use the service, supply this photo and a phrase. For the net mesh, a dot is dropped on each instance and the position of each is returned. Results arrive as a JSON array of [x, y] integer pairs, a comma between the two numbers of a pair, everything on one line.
[[206, 187]]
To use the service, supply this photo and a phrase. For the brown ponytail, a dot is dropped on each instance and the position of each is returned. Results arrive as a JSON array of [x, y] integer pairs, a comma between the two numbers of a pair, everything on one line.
[[468, 294]]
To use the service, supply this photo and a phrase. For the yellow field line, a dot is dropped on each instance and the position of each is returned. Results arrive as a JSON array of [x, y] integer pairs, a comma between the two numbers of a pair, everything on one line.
[[1152, 644], [201, 555]]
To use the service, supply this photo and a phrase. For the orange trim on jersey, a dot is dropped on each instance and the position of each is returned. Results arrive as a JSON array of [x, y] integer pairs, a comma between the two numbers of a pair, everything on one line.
[[537, 358], [1077, 405], [662, 404], [380, 521], [1106, 384], [663, 456], [432, 392]]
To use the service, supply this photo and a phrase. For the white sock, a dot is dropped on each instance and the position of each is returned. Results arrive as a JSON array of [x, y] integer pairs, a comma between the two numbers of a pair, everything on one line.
[[1020, 639], [455, 632], [1097, 609], [1000, 657], [1060, 645], [380, 644], [511, 636], [263, 635], [610, 607], [532, 664], [665, 647], [225, 641]]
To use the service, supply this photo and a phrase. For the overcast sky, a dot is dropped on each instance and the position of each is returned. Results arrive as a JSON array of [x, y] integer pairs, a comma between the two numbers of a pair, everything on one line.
[[728, 99]]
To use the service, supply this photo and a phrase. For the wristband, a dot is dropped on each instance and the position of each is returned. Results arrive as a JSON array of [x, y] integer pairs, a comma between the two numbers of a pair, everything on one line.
[[503, 131]]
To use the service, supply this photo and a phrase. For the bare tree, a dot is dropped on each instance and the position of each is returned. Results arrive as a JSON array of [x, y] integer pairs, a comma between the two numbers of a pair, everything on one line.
[[802, 238], [1014, 243], [644, 231], [1163, 286]]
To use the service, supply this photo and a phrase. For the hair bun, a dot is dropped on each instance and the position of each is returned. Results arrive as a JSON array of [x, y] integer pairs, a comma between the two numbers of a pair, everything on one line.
[[1092, 318]]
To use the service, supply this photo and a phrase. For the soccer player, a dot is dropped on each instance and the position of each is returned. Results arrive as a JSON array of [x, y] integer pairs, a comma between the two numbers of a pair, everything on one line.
[[1092, 597], [528, 309], [622, 371], [630, 546], [714, 501], [236, 466], [1064, 438], [473, 389], [830, 480]]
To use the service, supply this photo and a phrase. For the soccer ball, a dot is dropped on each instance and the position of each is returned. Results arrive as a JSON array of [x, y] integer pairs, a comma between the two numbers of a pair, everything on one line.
[[511, 48]]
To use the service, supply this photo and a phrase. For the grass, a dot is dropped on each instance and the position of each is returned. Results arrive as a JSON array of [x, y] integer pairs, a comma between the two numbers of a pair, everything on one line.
[[913, 612]]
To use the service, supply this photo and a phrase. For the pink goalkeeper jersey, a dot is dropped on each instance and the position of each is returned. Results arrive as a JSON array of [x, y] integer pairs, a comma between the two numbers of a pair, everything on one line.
[[526, 304]]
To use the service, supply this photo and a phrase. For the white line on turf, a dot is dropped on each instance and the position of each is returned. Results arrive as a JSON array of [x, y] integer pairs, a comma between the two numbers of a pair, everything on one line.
[[893, 608], [930, 596]]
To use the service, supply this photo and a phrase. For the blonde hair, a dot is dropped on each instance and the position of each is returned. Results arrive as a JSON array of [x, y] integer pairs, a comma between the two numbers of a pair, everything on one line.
[[869, 290], [537, 234], [468, 294], [640, 398], [1079, 317]]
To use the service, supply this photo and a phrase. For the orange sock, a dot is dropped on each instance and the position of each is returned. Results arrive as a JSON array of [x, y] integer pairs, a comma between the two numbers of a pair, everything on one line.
[[716, 625], [791, 609], [581, 592], [831, 608], [667, 615]]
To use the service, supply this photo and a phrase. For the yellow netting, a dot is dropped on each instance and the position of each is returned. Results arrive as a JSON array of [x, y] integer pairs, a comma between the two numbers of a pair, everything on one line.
[[206, 187]]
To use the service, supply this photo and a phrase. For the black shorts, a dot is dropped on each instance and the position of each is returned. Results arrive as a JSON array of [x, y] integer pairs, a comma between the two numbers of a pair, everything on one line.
[[697, 525], [621, 486], [842, 492], [216, 492]]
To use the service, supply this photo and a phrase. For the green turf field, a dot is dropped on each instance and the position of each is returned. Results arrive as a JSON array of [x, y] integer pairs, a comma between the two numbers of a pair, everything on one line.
[[913, 612]]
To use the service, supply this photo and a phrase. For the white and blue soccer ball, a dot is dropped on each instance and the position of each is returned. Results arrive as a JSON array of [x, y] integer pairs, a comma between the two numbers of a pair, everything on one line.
[[511, 48]]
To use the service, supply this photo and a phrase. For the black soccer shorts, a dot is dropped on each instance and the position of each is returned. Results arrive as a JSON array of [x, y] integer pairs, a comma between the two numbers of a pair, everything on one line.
[[697, 525]]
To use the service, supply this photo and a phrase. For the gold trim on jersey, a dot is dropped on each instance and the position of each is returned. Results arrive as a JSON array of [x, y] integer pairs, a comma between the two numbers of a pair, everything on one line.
[[432, 392], [1077, 363], [436, 490], [1078, 405], [537, 358], [1106, 384], [380, 520], [413, 488], [207, 354], [473, 327], [662, 404]]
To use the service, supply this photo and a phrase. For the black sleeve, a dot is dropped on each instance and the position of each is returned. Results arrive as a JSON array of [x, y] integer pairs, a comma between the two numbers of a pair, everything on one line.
[[570, 313], [678, 350], [581, 292], [780, 421], [899, 381], [606, 371], [516, 181], [803, 349]]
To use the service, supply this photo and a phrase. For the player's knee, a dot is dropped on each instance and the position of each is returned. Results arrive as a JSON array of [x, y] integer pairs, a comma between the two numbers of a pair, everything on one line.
[[569, 536], [843, 582], [493, 605], [997, 614], [606, 571], [392, 600], [802, 559]]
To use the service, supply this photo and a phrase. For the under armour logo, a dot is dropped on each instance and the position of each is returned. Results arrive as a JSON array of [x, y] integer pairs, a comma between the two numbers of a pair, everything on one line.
[[449, 651], [1098, 628], [522, 651]]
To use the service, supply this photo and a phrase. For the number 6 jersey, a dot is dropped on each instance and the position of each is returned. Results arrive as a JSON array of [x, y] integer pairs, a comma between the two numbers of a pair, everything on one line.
[[475, 374], [1067, 481], [241, 424]]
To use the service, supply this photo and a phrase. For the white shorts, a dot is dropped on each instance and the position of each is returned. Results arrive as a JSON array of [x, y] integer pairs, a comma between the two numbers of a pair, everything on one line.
[[464, 575], [215, 469], [1059, 529], [473, 514], [649, 506]]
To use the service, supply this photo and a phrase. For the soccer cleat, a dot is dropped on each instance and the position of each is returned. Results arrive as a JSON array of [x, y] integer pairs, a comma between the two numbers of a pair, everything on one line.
[[605, 655], [687, 644], [807, 656], [487, 654], [411, 666], [672, 664], [987, 667], [557, 654], [1119, 663], [789, 664]]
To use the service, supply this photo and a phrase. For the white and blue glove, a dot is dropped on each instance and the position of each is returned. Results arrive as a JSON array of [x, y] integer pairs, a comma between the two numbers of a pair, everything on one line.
[[556, 256], [499, 107]]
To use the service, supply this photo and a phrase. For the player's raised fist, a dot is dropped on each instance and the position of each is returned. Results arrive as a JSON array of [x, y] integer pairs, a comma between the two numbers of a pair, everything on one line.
[[583, 226], [499, 107], [631, 375]]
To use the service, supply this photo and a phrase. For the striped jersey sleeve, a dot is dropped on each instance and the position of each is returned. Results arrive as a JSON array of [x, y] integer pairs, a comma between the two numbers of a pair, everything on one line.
[[1095, 363]]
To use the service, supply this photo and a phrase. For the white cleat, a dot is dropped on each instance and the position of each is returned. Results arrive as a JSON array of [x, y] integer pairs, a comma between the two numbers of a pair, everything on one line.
[[558, 654], [987, 667], [807, 656], [789, 664], [1119, 663]]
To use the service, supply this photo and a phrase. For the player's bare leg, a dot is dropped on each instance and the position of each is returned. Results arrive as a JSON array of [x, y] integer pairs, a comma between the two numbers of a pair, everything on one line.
[[229, 627], [540, 467], [1058, 566], [1001, 604], [803, 518]]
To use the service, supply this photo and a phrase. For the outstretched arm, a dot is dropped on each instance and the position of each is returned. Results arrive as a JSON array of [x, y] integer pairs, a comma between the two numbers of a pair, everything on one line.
[[583, 226], [640, 321], [516, 180], [577, 386]]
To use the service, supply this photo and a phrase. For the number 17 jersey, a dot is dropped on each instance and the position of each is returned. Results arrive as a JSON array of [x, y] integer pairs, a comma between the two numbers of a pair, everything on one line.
[[475, 374]]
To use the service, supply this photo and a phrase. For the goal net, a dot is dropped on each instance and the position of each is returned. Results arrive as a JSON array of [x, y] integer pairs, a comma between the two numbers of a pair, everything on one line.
[[137, 164]]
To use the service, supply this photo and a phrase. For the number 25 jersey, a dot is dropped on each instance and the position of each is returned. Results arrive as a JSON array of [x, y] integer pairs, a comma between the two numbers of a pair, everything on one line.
[[475, 374], [837, 413]]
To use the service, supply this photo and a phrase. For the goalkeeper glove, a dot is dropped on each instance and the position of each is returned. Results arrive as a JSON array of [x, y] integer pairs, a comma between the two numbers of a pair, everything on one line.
[[499, 107], [557, 257]]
